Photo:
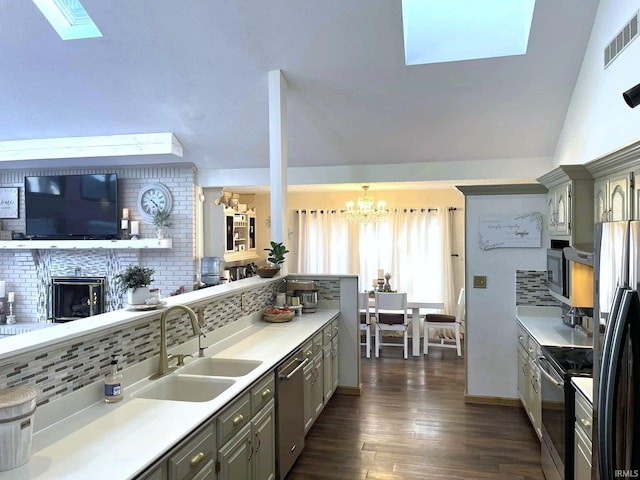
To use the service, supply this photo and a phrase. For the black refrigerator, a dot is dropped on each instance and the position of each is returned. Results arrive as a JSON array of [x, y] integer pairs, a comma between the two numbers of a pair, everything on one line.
[[617, 350]]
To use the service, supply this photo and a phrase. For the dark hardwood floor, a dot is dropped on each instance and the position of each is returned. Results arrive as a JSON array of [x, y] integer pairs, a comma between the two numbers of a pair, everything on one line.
[[411, 422]]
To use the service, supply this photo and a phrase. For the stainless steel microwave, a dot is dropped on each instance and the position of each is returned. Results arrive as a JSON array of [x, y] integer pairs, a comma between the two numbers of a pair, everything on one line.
[[558, 272]]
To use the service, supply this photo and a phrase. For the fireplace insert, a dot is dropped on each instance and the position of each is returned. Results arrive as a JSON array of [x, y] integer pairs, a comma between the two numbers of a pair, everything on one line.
[[73, 298]]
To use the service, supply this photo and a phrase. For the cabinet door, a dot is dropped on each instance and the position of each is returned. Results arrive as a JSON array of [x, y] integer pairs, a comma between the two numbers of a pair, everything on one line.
[[229, 244], [620, 198], [601, 200], [523, 375], [551, 212], [264, 445], [318, 386], [326, 368], [235, 457], [535, 400], [252, 232], [309, 373], [581, 455], [334, 363], [563, 210]]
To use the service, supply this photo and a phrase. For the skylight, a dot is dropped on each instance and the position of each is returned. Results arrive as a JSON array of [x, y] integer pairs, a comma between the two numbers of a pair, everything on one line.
[[438, 31], [68, 18]]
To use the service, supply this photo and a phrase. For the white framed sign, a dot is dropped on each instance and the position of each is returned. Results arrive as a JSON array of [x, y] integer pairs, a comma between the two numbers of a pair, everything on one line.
[[510, 231], [9, 202]]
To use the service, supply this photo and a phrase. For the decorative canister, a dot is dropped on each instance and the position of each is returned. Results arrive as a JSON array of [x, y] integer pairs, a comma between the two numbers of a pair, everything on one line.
[[17, 406]]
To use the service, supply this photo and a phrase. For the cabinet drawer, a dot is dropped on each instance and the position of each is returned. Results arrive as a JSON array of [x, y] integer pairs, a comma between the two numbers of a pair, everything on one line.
[[194, 456], [533, 349], [523, 337], [234, 417], [307, 349], [317, 342], [262, 392], [327, 334], [334, 327], [584, 414]]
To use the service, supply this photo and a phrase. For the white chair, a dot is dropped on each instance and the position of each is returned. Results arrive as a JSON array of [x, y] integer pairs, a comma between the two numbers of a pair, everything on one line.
[[440, 321], [391, 316], [365, 320]]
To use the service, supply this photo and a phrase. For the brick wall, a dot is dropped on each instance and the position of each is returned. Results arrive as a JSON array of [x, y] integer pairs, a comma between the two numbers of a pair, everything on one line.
[[28, 272]]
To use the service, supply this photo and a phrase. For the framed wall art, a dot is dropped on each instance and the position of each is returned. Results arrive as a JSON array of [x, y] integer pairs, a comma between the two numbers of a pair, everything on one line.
[[9, 202]]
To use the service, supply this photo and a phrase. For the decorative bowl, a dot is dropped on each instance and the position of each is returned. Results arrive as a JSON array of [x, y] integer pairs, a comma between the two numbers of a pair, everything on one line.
[[267, 272], [278, 318]]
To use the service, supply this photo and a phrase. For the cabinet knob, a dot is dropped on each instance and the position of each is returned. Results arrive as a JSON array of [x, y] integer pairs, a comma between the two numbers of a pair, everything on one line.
[[585, 423], [238, 420], [266, 393]]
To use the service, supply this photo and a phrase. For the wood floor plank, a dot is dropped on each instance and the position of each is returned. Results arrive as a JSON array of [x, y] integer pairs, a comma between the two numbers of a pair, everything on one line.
[[411, 423]]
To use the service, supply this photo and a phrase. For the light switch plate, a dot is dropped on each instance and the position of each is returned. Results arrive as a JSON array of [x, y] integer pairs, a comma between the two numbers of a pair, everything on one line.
[[479, 281], [243, 301]]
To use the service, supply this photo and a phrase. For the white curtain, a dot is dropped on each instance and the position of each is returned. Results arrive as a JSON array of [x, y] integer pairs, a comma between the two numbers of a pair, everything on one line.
[[324, 237], [413, 245]]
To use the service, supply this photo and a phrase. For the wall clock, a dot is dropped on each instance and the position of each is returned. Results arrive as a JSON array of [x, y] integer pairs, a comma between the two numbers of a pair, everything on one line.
[[152, 197]]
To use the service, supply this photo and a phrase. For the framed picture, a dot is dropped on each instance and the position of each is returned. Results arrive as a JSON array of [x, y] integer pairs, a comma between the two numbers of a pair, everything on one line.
[[9, 202]]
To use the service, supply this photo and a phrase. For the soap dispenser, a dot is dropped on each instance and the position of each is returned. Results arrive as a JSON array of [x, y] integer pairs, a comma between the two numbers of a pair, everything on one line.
[[113, 385]]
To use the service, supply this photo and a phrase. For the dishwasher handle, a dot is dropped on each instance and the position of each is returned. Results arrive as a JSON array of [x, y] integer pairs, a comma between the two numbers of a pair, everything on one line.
[[295, 370]]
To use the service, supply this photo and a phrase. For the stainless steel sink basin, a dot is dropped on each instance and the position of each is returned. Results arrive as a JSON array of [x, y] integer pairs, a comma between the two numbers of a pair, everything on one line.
[[185, 389], [220, 367]]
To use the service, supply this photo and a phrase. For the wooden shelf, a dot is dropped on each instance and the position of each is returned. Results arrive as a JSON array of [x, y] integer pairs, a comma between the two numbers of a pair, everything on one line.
[[142, 243]]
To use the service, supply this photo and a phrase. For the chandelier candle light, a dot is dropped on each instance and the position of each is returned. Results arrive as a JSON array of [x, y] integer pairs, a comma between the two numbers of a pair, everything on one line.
[[366, 212]]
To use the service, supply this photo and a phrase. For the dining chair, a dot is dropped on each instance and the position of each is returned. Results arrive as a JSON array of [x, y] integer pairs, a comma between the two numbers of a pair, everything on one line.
[[365, 320], [440, 321], [391, 316]]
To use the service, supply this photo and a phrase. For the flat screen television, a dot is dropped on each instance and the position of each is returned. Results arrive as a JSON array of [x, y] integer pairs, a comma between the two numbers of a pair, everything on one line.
[[72, 206]]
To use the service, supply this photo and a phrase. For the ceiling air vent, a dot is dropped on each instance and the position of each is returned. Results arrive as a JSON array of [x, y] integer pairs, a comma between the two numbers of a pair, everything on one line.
[[623, 38]]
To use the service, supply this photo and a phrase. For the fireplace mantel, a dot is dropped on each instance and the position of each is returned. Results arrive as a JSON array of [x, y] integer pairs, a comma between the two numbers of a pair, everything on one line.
[[142, 243]]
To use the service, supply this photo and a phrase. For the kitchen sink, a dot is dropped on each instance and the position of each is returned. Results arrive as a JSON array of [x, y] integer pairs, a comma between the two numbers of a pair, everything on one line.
[[185, 389], [220, 367]]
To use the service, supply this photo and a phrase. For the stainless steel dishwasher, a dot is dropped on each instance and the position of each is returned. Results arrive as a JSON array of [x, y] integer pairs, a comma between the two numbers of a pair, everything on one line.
[[290, 412]]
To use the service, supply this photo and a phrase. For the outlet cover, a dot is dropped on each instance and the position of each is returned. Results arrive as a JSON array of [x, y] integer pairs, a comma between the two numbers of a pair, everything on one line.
[[479, 281]]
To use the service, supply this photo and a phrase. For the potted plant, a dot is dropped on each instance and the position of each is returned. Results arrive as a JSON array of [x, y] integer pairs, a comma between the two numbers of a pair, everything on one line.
[[275, 258], [161, 222], [135, 280]]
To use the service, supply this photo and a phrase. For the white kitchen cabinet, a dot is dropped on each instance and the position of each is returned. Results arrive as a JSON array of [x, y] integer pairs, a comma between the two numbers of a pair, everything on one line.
[[559, 209], [570, 203], [330, 360], [234, 457], [264, 444], [228, 233], [583, 442], [613, 197], [529, 378]]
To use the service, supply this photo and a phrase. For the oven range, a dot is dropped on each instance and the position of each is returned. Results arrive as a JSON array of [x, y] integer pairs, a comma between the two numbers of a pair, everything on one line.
[[557, 366]]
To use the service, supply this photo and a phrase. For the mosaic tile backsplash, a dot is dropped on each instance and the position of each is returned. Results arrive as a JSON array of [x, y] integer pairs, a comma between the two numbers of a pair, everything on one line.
[[532, 289], [61, 369]]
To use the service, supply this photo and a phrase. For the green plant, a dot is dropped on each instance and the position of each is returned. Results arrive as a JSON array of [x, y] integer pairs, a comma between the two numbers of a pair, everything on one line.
[[276, 253], [134, 277], [161, 218]]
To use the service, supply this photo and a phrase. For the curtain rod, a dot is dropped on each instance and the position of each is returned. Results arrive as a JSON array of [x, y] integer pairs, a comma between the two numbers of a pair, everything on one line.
[[431, 209]]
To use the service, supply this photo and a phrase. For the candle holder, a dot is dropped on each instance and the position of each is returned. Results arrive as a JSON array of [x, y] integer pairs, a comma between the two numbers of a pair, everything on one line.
[[11, 318]]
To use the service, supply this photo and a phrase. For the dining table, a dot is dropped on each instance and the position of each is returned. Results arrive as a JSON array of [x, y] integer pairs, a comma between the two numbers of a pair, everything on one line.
[[414, 303]]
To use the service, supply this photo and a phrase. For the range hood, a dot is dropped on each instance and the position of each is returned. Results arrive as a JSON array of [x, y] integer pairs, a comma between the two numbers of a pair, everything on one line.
[[575, 254]]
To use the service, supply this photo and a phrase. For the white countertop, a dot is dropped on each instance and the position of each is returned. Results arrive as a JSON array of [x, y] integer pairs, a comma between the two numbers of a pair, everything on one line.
[[107, 441], [545, 325], [585, 386]]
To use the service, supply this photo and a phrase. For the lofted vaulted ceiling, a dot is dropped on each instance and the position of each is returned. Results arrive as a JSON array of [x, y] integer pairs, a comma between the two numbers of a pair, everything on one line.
[[198, 68]]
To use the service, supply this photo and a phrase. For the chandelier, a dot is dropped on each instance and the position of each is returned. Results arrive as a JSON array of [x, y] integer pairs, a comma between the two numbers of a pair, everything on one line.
[[365, 211]]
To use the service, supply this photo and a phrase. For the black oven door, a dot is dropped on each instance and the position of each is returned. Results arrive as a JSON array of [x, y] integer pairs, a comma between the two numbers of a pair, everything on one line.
[[552, 390]]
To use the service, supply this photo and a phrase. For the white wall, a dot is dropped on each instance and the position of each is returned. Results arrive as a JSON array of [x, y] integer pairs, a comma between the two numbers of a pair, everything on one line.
[[598, 120], [491, 353]]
